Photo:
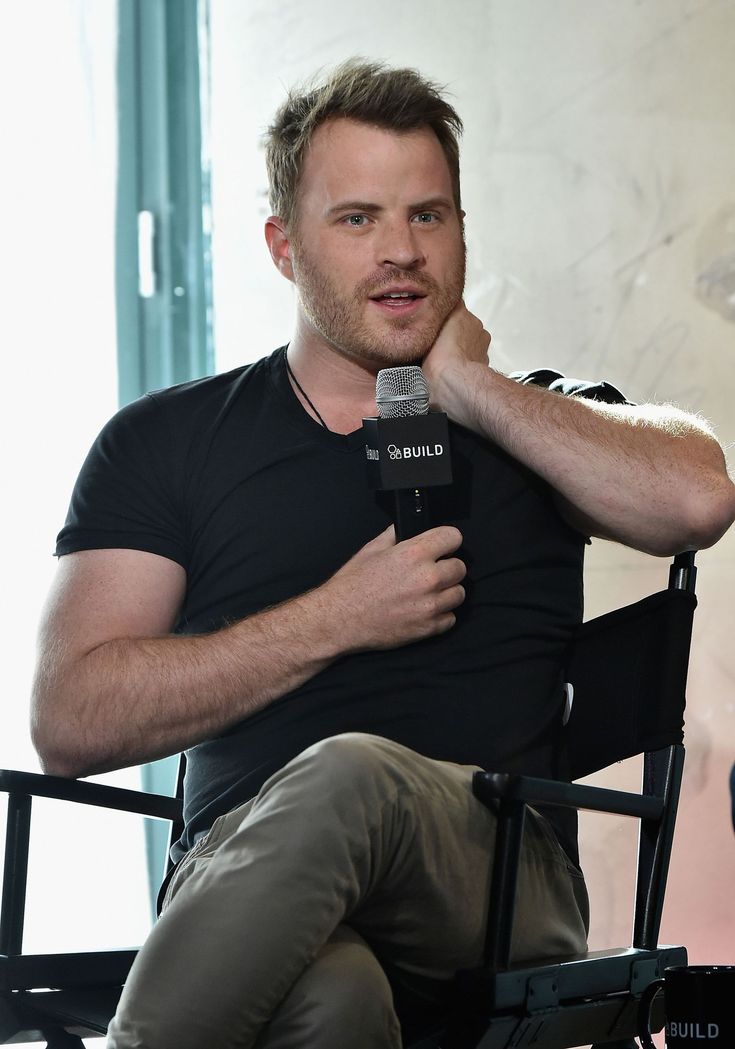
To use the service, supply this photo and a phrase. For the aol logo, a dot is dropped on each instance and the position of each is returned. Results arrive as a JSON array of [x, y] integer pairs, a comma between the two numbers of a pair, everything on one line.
[[394, 452]]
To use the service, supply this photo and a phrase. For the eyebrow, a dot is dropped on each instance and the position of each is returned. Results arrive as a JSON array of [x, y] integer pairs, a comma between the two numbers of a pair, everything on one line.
[[364, 205]]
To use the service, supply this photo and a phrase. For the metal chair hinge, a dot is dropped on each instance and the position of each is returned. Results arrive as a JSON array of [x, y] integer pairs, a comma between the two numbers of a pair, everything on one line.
[[642, 973], [542, 993]]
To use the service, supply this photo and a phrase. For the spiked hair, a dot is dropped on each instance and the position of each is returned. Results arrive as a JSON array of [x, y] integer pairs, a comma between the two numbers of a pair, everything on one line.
[[394, 99]]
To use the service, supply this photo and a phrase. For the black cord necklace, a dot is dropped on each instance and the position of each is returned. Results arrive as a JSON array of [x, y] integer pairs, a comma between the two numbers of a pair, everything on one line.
[[305, 395]]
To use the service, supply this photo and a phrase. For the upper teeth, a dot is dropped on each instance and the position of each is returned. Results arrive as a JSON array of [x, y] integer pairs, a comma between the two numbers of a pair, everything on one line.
[[398, 295]]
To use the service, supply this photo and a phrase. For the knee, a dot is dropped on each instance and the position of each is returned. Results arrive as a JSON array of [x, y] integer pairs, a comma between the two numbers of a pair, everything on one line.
[[353, 761], [343, 998], [351, 994], [351, 777]]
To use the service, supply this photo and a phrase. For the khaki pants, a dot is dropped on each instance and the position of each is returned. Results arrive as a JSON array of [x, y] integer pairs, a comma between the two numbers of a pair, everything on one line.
[[268, 929]]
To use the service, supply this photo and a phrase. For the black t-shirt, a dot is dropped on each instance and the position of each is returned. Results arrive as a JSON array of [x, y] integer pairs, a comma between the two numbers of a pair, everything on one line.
[[229, 477]]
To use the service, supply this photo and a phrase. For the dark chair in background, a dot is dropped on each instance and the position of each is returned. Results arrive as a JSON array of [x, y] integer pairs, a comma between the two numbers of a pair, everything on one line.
[[628, 671]]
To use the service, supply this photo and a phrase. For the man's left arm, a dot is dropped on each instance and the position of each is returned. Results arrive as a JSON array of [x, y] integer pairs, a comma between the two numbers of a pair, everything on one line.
[[650, 476]]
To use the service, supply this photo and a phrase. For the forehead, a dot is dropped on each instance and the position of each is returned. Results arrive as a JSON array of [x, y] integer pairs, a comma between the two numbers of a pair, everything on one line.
[[347, 158]]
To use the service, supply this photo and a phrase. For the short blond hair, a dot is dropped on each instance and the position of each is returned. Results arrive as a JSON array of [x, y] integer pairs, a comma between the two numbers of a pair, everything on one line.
[[395, 99]]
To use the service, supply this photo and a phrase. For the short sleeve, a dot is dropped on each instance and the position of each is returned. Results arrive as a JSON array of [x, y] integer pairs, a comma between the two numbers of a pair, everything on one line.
[[558, 383], [129, 492]]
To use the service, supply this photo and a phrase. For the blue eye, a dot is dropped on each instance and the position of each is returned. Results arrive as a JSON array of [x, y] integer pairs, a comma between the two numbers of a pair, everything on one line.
[[425, 218], [356, 220]]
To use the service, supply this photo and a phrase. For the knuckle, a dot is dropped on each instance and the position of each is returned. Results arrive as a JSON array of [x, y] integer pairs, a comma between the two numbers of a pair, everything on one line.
[[412, 552], [432, 607], [461, 570], [434, 577]]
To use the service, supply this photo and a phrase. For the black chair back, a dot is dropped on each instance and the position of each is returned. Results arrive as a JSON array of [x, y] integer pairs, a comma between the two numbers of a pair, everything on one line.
[[632, 704]]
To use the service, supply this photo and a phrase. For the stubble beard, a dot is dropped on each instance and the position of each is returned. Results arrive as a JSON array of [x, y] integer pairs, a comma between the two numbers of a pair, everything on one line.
[[340, 318]]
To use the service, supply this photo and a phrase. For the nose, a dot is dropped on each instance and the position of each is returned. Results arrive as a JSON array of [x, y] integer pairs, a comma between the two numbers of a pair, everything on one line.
[[399, 246]]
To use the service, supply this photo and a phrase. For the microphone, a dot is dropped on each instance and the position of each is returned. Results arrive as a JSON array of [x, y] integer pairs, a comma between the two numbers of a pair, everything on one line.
[[401, 393], [407, 447]]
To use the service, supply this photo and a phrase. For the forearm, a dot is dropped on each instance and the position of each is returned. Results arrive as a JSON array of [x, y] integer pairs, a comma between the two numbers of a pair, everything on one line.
[[111, 690], [131, 700], [653, 477]]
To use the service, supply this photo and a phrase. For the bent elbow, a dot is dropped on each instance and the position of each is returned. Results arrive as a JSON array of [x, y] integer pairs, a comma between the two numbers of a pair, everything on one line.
[[696, 520], [53, 765], [712, 516], [55, 758], [56, 743]]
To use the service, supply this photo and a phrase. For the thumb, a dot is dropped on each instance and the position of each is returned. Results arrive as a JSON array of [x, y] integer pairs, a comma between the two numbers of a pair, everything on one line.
[[383, 541]]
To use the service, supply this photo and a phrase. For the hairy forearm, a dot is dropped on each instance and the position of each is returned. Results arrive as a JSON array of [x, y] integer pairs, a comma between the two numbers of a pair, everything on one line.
[[109, 695], [653, 477], [131, 700]]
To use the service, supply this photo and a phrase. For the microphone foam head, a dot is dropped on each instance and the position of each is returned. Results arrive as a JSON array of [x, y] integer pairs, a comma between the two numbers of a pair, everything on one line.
[[401, 391]]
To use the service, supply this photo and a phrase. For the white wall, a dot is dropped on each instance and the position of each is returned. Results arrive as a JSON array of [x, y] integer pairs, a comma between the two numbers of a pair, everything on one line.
[[87, 877], [598, 181]]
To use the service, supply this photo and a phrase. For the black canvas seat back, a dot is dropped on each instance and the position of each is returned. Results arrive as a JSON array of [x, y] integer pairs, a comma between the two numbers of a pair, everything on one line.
[[633, 703]]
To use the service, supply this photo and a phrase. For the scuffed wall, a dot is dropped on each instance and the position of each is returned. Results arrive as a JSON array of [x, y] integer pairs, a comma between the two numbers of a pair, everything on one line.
[[598, 178]]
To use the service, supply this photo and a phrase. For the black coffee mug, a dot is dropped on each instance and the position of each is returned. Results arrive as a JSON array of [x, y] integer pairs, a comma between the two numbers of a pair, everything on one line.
[[699, 1003]]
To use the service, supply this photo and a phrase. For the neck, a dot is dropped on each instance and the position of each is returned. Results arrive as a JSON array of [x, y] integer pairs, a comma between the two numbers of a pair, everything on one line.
[[340, 387]]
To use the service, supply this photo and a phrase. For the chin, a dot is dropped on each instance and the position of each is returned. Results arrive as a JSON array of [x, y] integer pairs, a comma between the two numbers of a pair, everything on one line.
[[389, 357], [390, 352]]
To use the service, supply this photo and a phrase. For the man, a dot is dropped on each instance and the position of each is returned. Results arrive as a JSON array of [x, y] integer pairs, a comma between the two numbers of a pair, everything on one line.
[[335, 688]]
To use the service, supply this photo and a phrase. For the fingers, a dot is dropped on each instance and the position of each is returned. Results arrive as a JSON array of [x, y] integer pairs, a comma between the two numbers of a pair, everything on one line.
[[443, 623], [437, 542], [390, 594], [449, 599], [444, 617], [450, 572], [434, 543], [441, 576]]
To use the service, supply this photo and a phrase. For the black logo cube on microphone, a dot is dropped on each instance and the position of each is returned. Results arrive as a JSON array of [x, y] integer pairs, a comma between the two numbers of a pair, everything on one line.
[[410, 452]]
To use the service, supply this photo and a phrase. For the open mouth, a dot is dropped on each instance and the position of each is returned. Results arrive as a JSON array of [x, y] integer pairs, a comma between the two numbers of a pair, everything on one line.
[[398, 299]]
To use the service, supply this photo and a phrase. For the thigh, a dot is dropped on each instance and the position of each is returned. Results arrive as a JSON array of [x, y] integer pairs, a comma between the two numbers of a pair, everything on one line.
[[355, 831], [428, 913], [342, 999], [422, 844]]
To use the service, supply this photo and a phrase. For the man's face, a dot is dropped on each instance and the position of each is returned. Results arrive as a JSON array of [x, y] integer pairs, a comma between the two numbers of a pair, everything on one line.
[[377, 250]]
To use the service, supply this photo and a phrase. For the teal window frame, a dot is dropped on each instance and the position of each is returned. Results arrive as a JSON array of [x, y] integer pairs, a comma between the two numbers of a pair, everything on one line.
[[163, 250], [165, 333]]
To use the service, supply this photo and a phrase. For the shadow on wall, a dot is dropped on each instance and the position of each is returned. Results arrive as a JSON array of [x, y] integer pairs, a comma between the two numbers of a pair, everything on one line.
[[716, 263]]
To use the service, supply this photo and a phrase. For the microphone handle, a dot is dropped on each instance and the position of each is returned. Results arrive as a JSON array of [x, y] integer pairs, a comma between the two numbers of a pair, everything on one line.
[[412, 512]]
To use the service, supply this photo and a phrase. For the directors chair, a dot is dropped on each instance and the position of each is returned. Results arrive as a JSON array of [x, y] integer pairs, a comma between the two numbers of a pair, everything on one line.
[[628, 673]]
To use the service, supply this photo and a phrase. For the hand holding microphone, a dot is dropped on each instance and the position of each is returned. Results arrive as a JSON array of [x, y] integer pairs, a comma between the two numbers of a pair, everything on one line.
[[392, 593]]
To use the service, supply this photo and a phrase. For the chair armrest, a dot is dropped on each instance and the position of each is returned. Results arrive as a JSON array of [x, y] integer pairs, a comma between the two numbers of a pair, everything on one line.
[[156, 806], [64, 971], [489, 786], [21, 787], [508, 796]]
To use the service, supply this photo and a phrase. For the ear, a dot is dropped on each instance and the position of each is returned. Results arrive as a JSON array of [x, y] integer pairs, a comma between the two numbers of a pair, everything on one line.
[[279, 245]]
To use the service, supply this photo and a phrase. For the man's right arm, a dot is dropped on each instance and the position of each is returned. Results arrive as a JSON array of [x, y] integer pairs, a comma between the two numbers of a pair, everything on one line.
[[114, 687]]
